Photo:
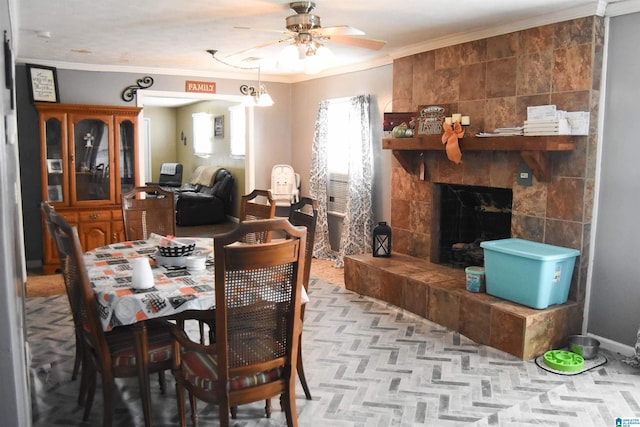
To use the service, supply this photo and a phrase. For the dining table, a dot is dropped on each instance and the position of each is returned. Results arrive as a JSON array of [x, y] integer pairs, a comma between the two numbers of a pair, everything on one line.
[[175, 290]]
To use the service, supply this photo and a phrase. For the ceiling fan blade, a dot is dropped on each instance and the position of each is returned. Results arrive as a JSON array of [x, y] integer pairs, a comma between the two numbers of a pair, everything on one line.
[[358, 42], [263, 30], [260, 46], [339, 30]]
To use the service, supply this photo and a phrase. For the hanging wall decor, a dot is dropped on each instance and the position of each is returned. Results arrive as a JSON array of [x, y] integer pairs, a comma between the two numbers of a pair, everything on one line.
[[130, 92], [43, 83]]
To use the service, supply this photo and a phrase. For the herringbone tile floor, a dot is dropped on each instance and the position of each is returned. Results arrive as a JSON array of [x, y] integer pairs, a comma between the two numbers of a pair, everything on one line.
[[368, 364]]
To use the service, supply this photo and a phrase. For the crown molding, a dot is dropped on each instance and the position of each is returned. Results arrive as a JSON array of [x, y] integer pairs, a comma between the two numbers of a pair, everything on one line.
[[624, 7], [235, 75]]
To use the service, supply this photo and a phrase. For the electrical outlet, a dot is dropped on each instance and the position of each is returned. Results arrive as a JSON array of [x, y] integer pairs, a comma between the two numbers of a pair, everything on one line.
[[525, 175]]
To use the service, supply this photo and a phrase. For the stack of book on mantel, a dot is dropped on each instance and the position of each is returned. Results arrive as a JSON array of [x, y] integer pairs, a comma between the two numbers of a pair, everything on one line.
[[546, 120], [511, 131], [546, 127]]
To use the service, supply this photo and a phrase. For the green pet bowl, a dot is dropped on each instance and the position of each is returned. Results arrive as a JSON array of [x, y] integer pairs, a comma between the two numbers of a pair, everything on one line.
[[564, 361]]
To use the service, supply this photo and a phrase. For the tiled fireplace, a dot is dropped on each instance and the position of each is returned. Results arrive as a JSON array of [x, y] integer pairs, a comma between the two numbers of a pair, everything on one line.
[[493, 81]]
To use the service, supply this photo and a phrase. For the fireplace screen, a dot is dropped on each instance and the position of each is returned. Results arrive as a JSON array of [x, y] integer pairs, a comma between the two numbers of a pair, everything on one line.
[[468, 215]]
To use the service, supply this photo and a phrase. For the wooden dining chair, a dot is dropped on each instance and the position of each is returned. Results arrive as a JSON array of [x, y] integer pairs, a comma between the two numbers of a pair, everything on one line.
[[47, 212], [305, 213], [146, 210], [258, 204], [257, 323], [111, 354]]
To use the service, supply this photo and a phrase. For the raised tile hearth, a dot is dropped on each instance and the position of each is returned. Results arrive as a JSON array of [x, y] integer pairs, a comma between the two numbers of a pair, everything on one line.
[[439, 294]]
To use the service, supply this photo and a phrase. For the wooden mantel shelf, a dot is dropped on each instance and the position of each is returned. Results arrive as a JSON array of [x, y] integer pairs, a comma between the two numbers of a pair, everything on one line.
[[533, 149]]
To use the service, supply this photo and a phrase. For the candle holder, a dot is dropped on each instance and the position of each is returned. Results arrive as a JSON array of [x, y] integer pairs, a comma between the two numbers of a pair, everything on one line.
[[382, 240], [457, 117]]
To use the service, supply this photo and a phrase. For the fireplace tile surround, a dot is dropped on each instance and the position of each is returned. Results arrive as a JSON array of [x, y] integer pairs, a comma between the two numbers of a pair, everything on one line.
[[493, 81], [439, 294]]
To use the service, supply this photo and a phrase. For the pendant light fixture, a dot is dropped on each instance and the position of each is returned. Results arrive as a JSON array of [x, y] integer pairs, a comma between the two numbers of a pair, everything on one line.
[[253, 95]]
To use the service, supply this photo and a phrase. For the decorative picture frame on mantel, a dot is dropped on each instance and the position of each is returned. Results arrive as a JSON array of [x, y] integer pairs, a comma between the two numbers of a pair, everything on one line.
[[218, 127], [43, 83]]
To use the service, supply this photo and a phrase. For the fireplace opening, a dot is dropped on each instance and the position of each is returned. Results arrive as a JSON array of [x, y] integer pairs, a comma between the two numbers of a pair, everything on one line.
[[465, 216]]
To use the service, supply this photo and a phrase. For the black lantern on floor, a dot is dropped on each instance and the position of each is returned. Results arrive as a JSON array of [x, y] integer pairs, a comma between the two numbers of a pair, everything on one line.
[[382, 240]]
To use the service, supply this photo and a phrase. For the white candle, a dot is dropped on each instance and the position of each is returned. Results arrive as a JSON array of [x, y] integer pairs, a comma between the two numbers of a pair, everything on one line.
[[456, 117], [447, 120], [465, 120]]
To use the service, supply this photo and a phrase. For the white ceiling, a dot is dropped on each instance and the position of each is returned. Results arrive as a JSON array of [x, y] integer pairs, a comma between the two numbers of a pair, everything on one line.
[[172, 36]]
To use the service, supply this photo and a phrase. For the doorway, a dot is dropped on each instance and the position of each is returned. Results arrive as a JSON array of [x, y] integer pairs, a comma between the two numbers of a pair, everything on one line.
[[168, 99]]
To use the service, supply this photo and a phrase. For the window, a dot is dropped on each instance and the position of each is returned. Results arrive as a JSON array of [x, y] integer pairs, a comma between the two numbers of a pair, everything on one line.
[[340, 134], [202, 134], [237, 133]]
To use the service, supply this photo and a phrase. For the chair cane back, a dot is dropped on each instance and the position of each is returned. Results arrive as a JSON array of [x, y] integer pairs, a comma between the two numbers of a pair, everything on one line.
[[48, 211], [257, 205], [257, 322], [146, 210]]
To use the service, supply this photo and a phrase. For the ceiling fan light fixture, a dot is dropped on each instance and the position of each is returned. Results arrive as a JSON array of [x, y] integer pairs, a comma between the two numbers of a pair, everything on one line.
[[322, 60], [288, 57], [305, 55]]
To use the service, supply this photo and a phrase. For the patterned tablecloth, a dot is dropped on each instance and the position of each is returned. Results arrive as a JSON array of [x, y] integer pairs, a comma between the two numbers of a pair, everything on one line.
[[175, 289]]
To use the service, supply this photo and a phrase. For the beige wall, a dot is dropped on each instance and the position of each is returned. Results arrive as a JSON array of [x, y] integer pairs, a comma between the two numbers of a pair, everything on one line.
[[162, 138], [167, 124], [306, 96], [221, 151]]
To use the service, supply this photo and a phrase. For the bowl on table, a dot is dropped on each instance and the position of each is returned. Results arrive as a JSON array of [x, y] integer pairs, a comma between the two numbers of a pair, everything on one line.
[[177, 248], [583, 345]]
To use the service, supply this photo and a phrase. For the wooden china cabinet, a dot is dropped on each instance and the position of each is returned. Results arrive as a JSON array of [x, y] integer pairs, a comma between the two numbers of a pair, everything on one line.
[[88, 157]]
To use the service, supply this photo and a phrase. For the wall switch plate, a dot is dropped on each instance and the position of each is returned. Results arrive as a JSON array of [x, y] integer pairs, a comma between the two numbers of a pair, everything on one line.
[[525, 175]]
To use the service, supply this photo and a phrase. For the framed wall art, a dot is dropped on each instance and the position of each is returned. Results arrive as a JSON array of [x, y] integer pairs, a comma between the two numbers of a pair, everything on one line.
[[43, 83], [54, 165], [218, 127], [55, 193]]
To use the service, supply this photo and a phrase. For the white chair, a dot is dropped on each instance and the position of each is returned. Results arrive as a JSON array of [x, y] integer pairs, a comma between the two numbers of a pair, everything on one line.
[[285, 185]]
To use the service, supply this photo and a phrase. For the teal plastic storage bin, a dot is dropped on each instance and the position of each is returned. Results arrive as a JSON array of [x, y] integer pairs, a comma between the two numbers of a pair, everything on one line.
[[530, 273]]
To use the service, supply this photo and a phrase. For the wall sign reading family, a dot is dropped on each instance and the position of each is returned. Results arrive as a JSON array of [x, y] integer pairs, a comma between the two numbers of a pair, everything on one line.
[[43, 83]]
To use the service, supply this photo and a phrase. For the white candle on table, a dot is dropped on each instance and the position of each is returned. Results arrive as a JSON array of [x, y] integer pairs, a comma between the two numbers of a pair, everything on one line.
[[456, 117], [142, 276], [447, 120], [464, 120]]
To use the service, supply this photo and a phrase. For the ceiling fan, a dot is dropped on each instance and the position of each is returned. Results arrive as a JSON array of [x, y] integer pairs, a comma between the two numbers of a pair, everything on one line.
[[305, 36]]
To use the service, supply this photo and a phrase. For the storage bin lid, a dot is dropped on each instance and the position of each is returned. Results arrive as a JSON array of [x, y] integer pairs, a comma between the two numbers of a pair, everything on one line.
[[529, 249]]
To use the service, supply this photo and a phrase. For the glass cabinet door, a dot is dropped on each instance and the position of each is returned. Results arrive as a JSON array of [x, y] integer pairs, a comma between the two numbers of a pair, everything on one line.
[[56, 168], [92, 153], [126, 158]]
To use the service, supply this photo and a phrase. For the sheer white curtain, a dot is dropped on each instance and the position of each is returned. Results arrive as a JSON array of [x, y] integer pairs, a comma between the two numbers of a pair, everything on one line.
[[345, 124]]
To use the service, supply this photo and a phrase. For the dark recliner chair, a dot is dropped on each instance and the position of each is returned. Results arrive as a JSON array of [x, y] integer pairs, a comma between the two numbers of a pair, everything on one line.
[[170, 175], [206, 198]]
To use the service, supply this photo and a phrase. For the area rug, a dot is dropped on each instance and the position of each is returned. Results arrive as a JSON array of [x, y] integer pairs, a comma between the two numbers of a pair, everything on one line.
[[40, 285], [589, 364]]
